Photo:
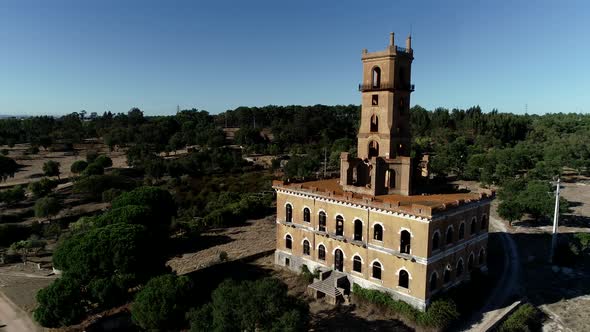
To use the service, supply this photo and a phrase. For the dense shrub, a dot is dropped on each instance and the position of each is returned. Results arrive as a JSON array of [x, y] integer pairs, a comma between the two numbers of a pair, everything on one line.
[[12, 195], [78, 166], [60, 303], [110, 194], [46, 207], [113, 250], [42, 187], [161, 305], [93, 169], [7, 168], [51, 168], [95, 185], [159, 200], [251, 305], [440, 314], [103, 161], [526, 318]]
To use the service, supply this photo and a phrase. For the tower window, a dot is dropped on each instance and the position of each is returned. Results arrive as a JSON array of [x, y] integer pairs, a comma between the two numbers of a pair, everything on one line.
[[373, 149], [435, 241], [375, 100], [374, 123], [376, 77], [306, 247]]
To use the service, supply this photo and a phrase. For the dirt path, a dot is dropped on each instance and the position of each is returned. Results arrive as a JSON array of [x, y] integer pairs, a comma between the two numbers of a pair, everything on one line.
[[13, 318], [497, 304]]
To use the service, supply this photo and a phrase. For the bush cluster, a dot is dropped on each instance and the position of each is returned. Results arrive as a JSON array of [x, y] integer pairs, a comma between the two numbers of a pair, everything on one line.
[[525, 318], [440, 314], [12, 195]]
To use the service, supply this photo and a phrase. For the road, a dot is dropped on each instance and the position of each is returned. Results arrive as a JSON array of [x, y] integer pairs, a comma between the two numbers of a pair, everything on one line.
[[497, 303], [14, 319]]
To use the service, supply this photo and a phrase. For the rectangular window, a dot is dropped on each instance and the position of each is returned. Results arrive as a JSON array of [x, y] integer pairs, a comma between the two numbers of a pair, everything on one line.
[[375, 100]]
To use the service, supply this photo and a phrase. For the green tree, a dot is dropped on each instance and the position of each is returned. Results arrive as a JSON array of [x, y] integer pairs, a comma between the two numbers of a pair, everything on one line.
[[60, 304], [162, 303], [119, 250], [93, 169], [78, 166], [27, 247], [263, 305], [158, 200], [47, 207], [15, 194], [51, 168], [7, 168], [104, 161]]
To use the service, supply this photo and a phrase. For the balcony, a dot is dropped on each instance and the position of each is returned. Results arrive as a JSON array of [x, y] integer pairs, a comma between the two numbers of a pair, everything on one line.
[[385, 87]]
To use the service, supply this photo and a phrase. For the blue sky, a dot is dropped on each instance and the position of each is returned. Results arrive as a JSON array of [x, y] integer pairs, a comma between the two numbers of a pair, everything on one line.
[[58, 57]]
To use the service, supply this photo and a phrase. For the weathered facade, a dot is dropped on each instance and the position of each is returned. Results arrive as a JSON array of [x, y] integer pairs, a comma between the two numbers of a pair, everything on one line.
[[368, 224]]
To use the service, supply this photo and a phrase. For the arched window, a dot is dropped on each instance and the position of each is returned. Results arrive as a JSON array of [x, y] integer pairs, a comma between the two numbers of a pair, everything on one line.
[[338, 260], [306, 247], [339, 226], [357, 264], [404, 279], [462, 231], [482, 257], [306, 215], [322, 221], [449, 237], [473, 226], [470, 262], [433, 281], [401, 74], [374, 123], [378, 232], [446, 276], [376, 77], [484, 223], [460, 268], [376, 270], [405, 240], [373, 149], [289, 213], [322, 252], [435, 241], [358, 230], [288, 242]]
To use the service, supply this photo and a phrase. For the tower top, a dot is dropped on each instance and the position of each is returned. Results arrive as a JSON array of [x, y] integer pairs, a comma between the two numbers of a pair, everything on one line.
[[391, 50]]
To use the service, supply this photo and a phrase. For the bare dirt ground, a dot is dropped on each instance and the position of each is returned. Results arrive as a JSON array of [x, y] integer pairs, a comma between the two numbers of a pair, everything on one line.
[[254, 243], [32, 165], [562, 293], [19, 284]]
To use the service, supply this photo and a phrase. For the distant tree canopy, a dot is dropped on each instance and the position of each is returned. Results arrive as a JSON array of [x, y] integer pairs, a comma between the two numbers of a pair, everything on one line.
[[47, 207], [78, 166]]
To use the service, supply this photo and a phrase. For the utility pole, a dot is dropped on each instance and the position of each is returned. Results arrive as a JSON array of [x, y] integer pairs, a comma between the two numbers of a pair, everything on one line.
[[555, 223]]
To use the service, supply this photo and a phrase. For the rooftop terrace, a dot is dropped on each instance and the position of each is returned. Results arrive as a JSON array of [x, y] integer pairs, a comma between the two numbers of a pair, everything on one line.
[[418, 205]]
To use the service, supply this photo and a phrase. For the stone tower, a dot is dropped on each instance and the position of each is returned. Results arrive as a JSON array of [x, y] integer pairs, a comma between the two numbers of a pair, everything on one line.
[[383, 165]]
